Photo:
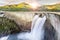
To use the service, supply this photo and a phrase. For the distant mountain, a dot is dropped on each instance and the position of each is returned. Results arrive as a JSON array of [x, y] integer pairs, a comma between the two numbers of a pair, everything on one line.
[[55, 7], [16, 7], [26, 7]]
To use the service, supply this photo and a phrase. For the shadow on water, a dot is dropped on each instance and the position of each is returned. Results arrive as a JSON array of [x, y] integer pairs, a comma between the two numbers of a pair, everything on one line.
[[12, 37]]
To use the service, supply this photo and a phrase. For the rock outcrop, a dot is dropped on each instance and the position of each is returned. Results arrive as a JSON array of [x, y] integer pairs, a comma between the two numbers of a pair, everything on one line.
[[55, 22]]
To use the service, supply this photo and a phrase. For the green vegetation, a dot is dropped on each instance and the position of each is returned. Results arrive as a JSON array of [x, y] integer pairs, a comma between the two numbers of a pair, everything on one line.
[[55, 7], [8, 26], [16, 7], [26, 7]]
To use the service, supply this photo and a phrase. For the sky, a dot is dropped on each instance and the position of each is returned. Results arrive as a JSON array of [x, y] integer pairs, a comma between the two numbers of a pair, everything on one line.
[[41, 2]]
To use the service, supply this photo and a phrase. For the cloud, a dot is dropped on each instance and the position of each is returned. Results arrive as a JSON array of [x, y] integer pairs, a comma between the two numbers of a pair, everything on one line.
[[5, 2], [41, 2]]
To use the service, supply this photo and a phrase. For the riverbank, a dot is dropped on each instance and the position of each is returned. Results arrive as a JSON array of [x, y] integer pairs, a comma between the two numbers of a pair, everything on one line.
[[8, 26]]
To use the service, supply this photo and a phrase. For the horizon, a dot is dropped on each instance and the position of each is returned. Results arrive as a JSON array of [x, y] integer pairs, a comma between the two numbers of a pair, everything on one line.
[[41, 2]]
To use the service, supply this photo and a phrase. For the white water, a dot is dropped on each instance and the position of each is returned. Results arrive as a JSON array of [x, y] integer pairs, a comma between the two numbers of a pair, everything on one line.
[[33, 21], [4, 38], [38, 30], [36, 34], [1, 15]]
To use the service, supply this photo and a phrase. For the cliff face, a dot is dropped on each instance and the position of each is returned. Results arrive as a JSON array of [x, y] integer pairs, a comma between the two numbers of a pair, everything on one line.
[[50, 32], [7, 27], [24, 20], [55, 21]]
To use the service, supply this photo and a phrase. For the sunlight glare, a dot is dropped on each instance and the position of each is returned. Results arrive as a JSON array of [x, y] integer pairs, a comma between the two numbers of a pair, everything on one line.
[[34, 5]]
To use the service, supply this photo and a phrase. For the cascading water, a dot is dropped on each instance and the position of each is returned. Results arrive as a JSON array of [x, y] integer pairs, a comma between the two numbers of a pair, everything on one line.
[[36, 34], [33, 21], [38, 31]]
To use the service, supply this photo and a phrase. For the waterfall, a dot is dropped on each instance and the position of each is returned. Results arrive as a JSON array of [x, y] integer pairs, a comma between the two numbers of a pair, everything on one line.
[[38, 30], [36, 34], [33, 21]]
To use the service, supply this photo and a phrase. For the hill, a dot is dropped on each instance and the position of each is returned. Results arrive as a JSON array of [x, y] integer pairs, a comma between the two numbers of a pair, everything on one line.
[[26, 7], [16, 7], [55, 7]]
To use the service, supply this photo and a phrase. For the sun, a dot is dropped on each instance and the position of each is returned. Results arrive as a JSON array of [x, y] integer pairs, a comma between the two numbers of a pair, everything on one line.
[[34, 5]]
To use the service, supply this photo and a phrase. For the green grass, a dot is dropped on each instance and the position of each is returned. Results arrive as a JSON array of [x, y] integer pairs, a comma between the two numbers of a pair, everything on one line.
[[7, 26], [16, 7], [57, 7]]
